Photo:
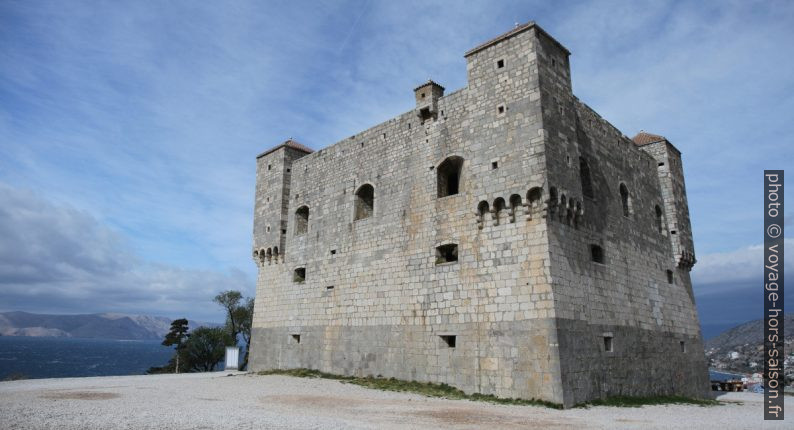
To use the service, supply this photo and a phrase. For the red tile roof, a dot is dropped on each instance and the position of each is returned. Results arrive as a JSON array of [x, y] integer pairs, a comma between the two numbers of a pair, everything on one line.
[[643, 138], [289, 143]]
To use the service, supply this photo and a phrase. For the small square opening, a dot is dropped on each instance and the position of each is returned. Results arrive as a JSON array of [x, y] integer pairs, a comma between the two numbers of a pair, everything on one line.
[[608, 346], [683, 346], [661, 164], [449, 340], [494, 165], [333, 252], [300, 275], [673, 232], [283, 231], [289, 170], [669, 276], [500, 64], [296, 338], [501, 109]]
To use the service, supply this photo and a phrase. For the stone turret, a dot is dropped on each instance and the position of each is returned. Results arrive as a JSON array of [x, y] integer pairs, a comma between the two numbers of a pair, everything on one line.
[[427, 96]]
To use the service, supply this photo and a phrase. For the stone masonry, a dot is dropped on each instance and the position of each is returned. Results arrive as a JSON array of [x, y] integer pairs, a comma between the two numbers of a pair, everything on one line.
[[503, 239]]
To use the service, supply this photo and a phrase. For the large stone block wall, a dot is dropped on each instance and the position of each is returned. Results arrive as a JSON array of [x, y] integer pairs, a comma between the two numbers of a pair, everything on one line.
[[390, 301], [527, 306], [629, 297]]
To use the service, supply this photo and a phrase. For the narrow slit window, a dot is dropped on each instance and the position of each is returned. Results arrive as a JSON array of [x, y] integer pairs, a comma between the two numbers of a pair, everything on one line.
[[329, 288], [608, 344], [682, 344], [447, 253], [449, 340], [625, 200], [302, 220], [659, 220], [299, 276], [669, 276], [584, 176]]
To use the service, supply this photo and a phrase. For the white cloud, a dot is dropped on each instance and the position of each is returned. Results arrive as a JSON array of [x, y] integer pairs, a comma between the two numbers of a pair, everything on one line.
[[59, 259]]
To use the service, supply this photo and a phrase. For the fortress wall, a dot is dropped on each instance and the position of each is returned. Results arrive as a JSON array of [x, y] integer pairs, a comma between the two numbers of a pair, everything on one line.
[[528, 308], [390, 301], [627, 297]]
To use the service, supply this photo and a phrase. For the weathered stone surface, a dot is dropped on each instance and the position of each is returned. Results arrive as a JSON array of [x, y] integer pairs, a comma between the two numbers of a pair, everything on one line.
[[527, 307]]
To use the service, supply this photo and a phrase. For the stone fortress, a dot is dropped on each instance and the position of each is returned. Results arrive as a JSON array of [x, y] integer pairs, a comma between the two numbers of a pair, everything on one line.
[[504, 239]]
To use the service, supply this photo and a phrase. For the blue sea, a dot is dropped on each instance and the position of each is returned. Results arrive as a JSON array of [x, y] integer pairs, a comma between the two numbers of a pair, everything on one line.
[[59, 357]]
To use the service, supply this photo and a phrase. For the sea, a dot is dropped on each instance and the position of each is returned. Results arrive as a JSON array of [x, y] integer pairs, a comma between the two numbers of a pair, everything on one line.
[[63, 357]]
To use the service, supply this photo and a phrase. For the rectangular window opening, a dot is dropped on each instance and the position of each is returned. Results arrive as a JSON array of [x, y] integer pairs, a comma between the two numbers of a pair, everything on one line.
[[501, 109], [669, 276], [329, 288], [494, 165], [296, 338], [425, 114], [661, 164], [683, 346], [608, 346], [289, 170], [449, 340], [500, 64], [673, 232], [269, 166], [447, 253], [597, 254]]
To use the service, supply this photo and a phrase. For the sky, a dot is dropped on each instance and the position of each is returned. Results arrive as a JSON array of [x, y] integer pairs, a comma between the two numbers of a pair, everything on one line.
[[129, 129]]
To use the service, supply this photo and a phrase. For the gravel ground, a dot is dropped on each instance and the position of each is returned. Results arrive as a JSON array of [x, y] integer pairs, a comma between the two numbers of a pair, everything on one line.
[[244, 401]]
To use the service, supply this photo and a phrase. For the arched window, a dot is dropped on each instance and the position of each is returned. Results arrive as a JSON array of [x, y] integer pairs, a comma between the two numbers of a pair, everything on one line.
[[584, 175], [275, 253], [269, 255], [659, 221], [498, 207], [515, 206], [448, 176], [625, 200], [482, 209], [534, 197], [365, 202], [302, 220]]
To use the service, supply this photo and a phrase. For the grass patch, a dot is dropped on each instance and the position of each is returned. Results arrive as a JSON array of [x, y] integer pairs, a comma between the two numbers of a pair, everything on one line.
[[428, 389], [636, 402]]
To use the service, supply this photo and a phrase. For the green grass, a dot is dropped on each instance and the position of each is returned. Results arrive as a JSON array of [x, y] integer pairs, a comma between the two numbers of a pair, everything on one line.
[[424, 388], [636, 402]]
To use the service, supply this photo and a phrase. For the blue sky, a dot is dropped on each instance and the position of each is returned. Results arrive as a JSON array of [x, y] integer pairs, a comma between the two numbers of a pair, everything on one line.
[[128, 130]]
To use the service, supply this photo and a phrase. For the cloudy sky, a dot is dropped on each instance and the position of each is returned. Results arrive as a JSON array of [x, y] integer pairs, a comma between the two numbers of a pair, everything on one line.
[[128, 130]]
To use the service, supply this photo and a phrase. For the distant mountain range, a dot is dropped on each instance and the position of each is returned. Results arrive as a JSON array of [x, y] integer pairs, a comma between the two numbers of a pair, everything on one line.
[[97, 326]]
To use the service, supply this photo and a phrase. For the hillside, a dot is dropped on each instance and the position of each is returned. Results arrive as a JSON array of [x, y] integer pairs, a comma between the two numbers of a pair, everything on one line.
[[740, 349], [97, 326]]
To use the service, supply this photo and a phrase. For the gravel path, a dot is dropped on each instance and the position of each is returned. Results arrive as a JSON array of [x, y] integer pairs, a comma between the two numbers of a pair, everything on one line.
[[243, 401]]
